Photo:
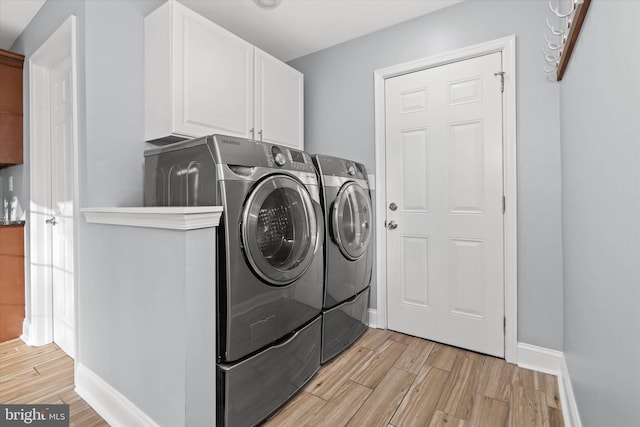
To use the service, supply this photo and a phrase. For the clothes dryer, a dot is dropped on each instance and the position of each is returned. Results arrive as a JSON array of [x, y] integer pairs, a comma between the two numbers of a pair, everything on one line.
[[346, 203], [269, 281]]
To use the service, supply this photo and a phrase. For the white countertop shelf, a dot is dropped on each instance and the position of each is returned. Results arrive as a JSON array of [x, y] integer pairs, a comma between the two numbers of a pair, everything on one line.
[[171, 218]]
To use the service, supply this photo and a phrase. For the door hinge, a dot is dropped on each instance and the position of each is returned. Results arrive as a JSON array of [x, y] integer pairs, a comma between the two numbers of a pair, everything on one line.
[[504, 204], [501, 74]]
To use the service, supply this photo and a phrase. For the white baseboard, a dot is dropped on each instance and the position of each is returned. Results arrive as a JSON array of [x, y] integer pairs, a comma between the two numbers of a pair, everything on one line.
[[567, 398], [26, 326], [552, 362], [112, 406], [34, 331], [539, 358], [373, 318]]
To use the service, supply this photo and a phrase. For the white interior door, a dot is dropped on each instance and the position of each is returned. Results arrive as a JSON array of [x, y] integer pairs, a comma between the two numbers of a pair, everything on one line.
[[62, 197], [53, 195], [444, 168]]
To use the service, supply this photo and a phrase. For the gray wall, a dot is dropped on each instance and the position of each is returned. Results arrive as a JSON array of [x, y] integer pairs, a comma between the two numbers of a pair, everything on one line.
[[339, 120], [600, 103], [132, 317], [147, 323], [115, 101]]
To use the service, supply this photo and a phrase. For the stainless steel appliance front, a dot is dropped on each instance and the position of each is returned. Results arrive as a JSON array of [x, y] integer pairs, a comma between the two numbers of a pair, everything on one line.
[[270, 266], [348, 252]]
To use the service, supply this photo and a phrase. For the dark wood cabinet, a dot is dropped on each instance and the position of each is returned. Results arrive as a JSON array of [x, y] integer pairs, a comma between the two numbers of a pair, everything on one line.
[[11, 281], [10, 108]]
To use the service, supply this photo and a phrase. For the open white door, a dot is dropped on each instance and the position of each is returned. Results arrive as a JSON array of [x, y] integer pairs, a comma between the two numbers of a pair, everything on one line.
[[53, 198], [62, 206], [444, 192]]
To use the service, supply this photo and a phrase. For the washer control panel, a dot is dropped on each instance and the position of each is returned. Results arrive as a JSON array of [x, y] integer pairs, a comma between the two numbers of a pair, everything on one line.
[[287, 158]]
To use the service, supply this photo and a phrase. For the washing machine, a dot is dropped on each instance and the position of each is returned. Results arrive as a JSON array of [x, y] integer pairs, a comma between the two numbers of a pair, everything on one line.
[[348, 251], [270, 267]]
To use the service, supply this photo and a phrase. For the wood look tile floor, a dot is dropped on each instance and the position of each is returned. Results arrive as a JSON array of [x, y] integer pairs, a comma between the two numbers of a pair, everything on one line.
[[42, 375], [389, 379], [385, 379]]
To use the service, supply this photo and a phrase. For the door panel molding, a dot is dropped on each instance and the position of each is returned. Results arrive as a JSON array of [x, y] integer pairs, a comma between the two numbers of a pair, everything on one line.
[[507, 46], [38, 324]]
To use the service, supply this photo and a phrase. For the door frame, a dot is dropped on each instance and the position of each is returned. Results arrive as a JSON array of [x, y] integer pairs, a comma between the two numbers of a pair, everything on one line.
[[507, 46], [38, 323]]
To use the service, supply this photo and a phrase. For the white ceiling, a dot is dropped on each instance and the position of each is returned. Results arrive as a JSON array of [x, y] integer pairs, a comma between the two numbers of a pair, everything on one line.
[[299, 27], [294, 29], [15, 15]]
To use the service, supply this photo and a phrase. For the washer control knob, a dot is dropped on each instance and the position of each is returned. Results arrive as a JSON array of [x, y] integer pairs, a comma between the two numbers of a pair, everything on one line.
[[278, 156], [351, 170], [280, 159]]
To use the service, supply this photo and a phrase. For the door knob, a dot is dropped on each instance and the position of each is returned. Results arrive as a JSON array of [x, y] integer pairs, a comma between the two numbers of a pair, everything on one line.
[[392, 225], [51, 220]]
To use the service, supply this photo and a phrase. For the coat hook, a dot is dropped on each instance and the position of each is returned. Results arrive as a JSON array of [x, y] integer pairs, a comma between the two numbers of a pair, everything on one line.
[[550, 45], [560, 15], [550, 58], [554, 31]]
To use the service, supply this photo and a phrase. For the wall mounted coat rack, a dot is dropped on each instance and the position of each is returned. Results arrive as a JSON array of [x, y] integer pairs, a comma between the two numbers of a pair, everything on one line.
[[568, 35]]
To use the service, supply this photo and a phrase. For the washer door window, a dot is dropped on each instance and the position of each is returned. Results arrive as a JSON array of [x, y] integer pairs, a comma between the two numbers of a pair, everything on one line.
[[279, 230], [351, 220]]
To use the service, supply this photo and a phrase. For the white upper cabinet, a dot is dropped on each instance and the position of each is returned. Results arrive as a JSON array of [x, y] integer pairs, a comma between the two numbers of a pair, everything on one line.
[[201, 79], [198, 77], [279, 101]]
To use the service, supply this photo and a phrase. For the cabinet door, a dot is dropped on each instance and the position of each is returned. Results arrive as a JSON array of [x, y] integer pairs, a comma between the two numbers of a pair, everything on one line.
[[11, 282], [279, 106], [10, 139], [10, 108], [213, 78]]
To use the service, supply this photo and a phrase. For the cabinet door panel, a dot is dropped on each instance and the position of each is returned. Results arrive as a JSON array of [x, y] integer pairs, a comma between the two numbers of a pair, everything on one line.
[[279, 101], [10, 139], [213, 78], [11, 81], [12, 241], [11, 318], [11, 108], [11, 279], [11, 282]]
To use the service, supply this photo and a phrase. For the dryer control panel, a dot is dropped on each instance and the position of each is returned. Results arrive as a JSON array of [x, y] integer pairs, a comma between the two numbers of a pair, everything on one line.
[[334, 166]]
